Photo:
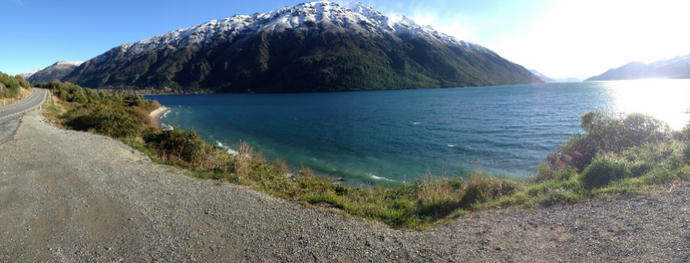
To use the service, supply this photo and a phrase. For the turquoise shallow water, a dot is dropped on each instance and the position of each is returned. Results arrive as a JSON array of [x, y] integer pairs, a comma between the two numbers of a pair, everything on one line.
[[393, 136]]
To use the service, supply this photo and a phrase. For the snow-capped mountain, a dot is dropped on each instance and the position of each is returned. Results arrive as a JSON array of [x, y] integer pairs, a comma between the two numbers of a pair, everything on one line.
[[318, 46], [29, 74], [56, 71], [674, 68], [354, 17]]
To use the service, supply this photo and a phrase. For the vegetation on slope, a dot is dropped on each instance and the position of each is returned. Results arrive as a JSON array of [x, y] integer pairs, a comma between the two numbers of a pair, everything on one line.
[[10, 85], [617, 155], [300, 61]]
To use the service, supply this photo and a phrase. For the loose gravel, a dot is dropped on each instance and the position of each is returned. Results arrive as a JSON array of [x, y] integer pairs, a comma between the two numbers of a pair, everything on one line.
[[8, 126], [69, 196]]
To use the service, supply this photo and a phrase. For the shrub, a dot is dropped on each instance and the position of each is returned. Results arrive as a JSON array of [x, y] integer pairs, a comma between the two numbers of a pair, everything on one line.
[[140, 113], [177, 144], [154, 105], [105, 119], [11, 85], [604, 134], [617, 134], [605, 169]]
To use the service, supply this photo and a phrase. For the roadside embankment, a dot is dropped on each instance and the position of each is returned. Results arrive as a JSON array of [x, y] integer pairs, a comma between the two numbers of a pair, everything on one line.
[[23, 93]]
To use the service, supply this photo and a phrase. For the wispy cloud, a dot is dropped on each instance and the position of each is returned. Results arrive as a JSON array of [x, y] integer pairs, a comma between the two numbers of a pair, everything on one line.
[[423, 13], [18, 2], [451, 25]]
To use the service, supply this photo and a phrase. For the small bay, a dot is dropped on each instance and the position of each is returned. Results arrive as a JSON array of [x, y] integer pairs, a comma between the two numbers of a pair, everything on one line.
[[387, 137]]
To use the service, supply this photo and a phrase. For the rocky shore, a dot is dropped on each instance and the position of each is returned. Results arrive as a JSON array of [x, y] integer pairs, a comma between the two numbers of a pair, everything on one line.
[[69, 196]]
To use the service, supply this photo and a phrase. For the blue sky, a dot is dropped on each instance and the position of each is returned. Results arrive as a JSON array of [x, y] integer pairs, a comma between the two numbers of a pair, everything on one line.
[[560, 38]]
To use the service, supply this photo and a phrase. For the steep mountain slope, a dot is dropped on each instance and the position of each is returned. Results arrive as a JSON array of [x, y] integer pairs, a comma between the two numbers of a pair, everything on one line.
[[56, 71], [675, 68], [318, 46], [541, 76]]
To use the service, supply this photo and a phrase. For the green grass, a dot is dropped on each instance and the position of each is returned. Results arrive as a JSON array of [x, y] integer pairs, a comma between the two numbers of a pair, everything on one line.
[[53, 110], [618, 155]]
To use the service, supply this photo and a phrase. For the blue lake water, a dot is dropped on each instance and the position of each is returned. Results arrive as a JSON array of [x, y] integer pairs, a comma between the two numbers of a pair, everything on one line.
[[393, 136]]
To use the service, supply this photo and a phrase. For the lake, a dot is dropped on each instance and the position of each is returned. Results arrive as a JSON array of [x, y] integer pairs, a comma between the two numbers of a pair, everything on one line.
[[388, 137]]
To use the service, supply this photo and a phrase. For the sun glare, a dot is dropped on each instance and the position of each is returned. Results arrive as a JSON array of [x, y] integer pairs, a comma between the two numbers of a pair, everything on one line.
[[588, 37], [665, 99]]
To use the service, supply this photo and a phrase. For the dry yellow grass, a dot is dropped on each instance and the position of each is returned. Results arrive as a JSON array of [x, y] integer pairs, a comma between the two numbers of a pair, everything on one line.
[[23, 93], [59, 107]]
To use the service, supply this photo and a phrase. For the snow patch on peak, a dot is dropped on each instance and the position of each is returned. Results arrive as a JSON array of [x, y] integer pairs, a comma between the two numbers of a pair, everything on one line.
[[324, 15], [29, 74], [71, 63], [59, 63]]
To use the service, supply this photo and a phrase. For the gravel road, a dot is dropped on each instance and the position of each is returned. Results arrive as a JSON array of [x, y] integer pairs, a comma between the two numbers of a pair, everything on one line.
[[70, 196]]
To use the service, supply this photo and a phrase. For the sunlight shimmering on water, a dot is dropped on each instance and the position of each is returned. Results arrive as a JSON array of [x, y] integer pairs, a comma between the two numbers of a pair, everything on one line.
[[665, 99]]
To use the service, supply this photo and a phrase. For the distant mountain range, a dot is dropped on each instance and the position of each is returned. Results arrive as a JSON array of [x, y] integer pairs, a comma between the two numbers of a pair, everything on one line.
[[547, 79], [675, 68], [568, 79], [56, 71], [319, 46]]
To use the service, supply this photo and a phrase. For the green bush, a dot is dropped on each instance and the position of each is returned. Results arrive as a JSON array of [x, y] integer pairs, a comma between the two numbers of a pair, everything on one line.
[[603, 134], [177, 144], [105, 119], [612, 134], [116, 115], [10, 85], [604, 169]]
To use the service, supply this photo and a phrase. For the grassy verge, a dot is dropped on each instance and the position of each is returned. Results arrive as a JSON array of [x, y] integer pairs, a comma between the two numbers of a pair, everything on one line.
[[617, 155]]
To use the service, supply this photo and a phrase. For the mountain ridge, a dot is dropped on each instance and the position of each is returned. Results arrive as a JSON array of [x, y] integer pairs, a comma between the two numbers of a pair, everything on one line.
[[674, 68], [541, 76], [318, 46], [58, 70]]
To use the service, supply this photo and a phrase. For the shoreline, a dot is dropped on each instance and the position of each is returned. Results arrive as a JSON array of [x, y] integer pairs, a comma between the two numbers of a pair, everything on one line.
[[150, 206], [155, 115]]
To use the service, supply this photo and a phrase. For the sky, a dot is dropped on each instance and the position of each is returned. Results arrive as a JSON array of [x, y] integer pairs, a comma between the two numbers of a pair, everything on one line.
[[559, 38]]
